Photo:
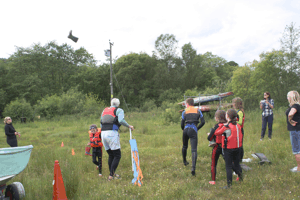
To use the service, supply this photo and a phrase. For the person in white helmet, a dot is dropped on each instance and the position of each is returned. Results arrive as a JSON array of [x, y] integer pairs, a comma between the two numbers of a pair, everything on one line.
[[111, 119]]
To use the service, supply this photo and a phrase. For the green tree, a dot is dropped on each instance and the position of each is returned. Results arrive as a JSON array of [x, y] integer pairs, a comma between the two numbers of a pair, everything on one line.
[[240, 84], [166, 49], [135, 73], [290, 44]]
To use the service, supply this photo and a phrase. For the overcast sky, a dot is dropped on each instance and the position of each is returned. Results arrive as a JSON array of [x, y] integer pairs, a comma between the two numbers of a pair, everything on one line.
[[233, 29]]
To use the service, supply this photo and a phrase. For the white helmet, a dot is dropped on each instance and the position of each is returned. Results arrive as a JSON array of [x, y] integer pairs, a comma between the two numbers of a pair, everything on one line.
[[115, 102]]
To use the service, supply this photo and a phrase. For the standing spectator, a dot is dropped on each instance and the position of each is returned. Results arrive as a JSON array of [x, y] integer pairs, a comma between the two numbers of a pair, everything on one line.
[[10, 132], [293, 125], [267, 106], [189, 122], [111, 119]]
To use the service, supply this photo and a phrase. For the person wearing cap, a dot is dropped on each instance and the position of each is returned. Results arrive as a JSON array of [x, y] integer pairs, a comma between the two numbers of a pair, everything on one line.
[[96, 144], [10, 132], [111, 119]]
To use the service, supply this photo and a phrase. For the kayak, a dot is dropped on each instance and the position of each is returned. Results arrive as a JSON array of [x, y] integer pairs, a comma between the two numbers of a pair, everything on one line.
[[203, 99]]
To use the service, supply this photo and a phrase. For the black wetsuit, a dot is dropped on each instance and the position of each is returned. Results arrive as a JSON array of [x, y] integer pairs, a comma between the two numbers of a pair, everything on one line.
[[189, 123], [11, 138]]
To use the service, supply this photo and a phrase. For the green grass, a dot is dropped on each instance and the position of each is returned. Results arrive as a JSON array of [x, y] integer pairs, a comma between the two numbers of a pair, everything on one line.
[[159, 145]]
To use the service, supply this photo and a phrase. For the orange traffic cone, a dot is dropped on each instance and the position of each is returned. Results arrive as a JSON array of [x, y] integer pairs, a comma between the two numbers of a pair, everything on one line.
[[59, 192], [73, 152], [62, 144]]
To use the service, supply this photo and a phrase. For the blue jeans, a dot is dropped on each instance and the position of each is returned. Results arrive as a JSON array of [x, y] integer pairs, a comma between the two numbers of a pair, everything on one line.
[[267, 120], [295, 141]]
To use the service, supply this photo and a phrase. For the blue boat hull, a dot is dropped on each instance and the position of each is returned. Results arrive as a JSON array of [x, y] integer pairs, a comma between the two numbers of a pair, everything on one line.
[[13, 161]]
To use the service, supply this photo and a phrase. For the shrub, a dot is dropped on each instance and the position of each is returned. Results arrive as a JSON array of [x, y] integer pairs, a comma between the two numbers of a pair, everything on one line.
[[148, 106], [48, 106], [18, 108], [172, 95], [92, 106], [71, 102], [171, 113]]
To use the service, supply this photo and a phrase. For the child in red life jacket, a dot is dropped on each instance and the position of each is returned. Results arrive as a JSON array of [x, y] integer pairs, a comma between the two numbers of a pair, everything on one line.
[[217, 149], [96, 144], [232, 138]]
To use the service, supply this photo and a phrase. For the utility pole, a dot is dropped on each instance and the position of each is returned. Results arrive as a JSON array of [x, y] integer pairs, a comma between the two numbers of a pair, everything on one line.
[[111, 76], [108, 54]]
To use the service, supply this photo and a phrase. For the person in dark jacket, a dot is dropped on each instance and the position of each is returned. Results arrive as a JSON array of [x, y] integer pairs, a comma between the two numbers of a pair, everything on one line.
[[10, 132], [189, 121]]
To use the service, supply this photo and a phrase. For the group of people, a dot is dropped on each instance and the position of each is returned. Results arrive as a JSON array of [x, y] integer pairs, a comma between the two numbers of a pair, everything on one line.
[[111, 119], [227, 136]]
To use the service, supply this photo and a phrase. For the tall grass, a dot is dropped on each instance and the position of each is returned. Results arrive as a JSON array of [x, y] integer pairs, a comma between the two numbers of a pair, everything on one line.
[[159, 145]]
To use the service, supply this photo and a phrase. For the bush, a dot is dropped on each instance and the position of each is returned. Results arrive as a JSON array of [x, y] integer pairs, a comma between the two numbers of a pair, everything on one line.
[[148, 106], [18, 108], [48, 106], [71, 102], [172, 95], [172, 113], [92, 106]]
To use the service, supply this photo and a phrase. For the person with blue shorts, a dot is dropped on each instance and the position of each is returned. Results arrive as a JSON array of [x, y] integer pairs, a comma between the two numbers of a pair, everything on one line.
[[293, 125]]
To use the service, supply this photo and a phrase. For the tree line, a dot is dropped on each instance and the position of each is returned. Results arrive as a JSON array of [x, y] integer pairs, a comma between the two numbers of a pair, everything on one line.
[[38, 72]]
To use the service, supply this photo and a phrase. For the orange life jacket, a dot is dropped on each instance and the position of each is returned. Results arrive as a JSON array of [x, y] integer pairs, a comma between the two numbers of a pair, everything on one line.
[[95, 139], [192, 115]]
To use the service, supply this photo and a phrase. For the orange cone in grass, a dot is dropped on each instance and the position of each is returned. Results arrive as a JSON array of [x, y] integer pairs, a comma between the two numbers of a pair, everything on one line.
[[59, 192], [62, 144], [73, 152]]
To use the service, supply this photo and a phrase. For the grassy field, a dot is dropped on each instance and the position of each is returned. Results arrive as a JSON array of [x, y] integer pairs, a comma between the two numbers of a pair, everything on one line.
[[165, 176]]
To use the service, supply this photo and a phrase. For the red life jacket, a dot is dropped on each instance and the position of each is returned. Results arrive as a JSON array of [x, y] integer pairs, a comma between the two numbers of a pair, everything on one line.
[[232, 136], [95, 139], [219, 137], [243, 118], [109, 119]]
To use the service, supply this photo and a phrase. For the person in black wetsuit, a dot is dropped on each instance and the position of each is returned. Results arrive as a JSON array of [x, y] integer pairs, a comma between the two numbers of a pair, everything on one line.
[[189, 121], [10, 132]]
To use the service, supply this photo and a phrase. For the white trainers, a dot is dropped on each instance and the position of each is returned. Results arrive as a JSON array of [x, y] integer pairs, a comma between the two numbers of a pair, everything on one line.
[[247, 160], [295, 169]]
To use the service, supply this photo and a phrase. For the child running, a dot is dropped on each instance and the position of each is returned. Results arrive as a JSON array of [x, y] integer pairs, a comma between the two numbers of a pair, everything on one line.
[[238, 106], [232, 138], [217, 149], [96, 144]]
